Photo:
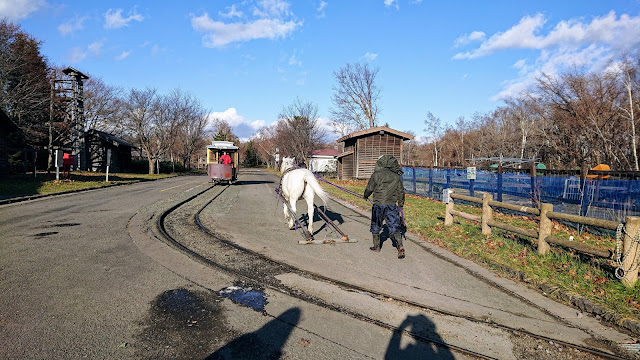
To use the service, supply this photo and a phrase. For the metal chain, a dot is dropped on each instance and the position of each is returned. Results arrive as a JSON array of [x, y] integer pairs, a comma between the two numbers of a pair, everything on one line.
[[620, 272]]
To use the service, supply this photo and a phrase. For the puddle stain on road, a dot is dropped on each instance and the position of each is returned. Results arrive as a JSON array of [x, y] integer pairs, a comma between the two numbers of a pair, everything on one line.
[[43, 234], [249, 297], [183, 323], [66, 224]]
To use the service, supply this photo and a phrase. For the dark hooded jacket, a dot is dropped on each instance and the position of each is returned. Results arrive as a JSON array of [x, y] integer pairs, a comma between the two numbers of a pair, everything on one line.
[[386, 182]]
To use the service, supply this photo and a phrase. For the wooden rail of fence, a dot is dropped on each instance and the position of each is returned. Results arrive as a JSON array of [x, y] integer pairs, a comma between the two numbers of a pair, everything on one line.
[[543, 233]]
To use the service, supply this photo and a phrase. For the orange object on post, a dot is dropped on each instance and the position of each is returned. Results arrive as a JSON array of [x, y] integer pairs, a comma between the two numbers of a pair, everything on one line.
[[601, 167]]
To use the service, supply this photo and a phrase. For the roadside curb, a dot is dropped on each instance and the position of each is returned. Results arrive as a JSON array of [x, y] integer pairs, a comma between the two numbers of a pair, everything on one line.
[[39, 196]]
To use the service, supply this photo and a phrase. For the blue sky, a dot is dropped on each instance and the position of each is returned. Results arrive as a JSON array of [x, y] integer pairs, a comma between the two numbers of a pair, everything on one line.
[[245, 60]]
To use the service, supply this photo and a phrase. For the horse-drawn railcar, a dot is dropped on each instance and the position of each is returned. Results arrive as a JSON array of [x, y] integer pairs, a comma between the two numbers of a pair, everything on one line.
[[217, 170]]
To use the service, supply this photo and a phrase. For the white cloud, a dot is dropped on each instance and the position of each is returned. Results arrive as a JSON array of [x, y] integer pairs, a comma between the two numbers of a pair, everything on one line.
[[272, 8], [72, 25], [123, 55], [294, 61], [96, 47], [593, 58], [113, 18], [468, 38], [617, 33], [19, 9], [232, 12], [218, 34], [241, 127], [389, 3], [76, 55], [570, 43], [370, 56], [320, 9]]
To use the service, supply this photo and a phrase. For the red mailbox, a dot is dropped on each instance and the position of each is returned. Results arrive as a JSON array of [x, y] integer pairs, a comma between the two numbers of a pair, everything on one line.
[[67, 162]]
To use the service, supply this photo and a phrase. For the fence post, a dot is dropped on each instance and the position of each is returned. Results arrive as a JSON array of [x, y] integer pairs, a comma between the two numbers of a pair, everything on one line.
[[545, 228], [414, 180], [630, 262], [448, 218], [431, 182], [487, 214], [535, 201], [499, 190], [584, 199], [448, 172]]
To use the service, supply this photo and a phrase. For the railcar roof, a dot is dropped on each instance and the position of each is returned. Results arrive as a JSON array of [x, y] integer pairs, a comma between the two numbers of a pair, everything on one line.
[[222, 145]]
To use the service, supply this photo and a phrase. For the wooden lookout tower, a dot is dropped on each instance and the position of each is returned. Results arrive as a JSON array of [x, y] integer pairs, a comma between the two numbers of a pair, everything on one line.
[[77, 116]]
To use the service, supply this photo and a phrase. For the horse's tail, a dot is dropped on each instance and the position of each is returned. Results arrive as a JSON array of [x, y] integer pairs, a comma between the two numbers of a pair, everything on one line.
[[311, 180]]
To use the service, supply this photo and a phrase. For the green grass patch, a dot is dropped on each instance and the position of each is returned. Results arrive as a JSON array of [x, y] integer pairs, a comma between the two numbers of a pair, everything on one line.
[[508, 254], [43, 183]]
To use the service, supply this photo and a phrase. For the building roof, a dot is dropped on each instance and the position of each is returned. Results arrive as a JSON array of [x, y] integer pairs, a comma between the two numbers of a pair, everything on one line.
[[381, 129], [73, 72], [6, 123], [110, 138], [222, 145], [325, 152], [345, 153]]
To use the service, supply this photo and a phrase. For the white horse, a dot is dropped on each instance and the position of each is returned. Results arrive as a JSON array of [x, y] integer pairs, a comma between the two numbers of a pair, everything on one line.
[[296, 184]]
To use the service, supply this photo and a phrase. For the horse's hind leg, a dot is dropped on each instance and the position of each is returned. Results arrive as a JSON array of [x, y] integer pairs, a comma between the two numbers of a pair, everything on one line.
[[291, 219], [286, 213], [311, 211]]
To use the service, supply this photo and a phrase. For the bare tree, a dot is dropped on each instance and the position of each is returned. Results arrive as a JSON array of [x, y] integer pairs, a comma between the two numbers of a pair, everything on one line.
[[630, 74], [191, 134], [102, 106], [144, 121], [434, 129], [267, 144], [355, 97], [221, 131], [299, 130]]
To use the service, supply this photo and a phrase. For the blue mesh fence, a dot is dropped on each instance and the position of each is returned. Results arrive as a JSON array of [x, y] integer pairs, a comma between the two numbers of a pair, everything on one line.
[[605, 199]]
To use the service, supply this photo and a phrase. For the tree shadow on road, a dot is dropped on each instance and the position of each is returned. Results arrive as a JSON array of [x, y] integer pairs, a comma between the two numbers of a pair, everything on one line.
[[253, 182], [264, 343], [423, 326]]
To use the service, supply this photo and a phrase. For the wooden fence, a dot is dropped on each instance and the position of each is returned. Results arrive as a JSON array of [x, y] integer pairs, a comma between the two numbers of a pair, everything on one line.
[[627, 269]]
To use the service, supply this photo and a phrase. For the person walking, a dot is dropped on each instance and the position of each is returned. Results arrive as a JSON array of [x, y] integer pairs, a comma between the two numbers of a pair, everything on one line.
[[386, 187]]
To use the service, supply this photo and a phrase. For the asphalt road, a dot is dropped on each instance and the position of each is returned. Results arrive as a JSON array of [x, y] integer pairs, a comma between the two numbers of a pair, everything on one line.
[[85, 276]]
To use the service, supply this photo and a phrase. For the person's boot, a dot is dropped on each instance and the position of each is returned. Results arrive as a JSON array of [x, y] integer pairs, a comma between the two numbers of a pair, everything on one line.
[[376, 243], [397, 236]]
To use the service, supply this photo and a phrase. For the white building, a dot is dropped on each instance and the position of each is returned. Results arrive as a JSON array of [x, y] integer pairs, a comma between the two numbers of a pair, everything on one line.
[[324, 161]]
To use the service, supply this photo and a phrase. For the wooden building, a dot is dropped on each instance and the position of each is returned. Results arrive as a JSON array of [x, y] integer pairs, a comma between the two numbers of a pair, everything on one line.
[[98, 142], [360, 150], [6, 127]]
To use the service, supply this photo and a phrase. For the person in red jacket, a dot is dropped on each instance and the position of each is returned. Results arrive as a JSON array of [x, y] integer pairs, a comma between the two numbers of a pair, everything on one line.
[[225, 159]]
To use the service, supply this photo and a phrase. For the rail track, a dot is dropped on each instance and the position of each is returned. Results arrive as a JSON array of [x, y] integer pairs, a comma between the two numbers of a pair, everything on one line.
[[266, 279]]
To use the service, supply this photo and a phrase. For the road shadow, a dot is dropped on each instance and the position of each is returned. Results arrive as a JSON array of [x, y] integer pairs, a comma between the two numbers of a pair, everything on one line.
[[253, 182], [423, 326], [264, 343], [333, 216]]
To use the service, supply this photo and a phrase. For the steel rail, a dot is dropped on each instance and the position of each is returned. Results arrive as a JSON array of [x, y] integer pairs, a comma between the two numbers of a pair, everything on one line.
[[353, 287], [206, 261]]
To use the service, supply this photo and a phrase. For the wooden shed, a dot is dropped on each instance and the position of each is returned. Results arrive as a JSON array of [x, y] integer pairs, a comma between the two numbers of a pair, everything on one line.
[[360, 150], [98, 142]]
